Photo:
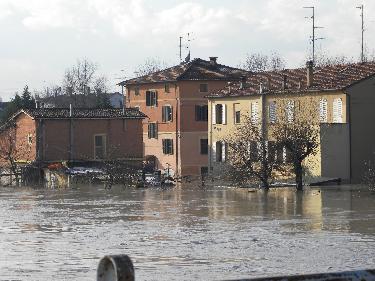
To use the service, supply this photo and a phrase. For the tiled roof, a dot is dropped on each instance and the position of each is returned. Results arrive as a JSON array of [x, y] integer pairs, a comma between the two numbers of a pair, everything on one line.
[[337, 77], [62, 113], [197, 69]]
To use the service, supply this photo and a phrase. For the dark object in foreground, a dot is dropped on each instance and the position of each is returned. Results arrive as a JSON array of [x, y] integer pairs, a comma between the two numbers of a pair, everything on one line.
[[115, 268], [120, 268]]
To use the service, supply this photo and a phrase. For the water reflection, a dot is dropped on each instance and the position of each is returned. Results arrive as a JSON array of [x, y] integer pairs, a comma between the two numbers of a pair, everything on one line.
[[185, 233]]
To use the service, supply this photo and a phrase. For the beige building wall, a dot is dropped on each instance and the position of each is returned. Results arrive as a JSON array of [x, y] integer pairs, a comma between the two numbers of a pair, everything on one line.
[[310, 101]]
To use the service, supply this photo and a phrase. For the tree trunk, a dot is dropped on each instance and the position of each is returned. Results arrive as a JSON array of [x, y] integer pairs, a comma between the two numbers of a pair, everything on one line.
[[298, 171]]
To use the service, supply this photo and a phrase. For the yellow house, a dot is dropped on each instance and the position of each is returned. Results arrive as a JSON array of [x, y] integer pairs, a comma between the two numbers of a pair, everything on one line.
[[342, 96]]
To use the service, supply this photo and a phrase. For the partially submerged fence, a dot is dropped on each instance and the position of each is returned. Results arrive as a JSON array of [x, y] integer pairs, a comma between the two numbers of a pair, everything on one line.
[[120, 268]]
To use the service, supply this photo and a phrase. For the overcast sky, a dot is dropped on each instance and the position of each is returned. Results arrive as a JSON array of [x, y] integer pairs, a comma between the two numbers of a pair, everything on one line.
[[39, 39]]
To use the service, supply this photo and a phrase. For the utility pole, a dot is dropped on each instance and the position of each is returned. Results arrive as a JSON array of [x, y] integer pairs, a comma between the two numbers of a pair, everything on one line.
[[363, 30], [313, 39]]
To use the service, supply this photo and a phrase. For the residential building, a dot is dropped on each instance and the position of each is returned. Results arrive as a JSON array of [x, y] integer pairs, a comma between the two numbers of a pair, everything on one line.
[[175, 133], [342, 95], [75, 135]]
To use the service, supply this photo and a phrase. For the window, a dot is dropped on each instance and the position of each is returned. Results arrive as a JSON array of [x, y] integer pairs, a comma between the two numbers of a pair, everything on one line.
[[136, 91], [272, 112], [220, 153], [323, 110], [30, 139], [201, 113], [237, 117], [151, 98], [254, 112], [204, 171], [168, 146], [204, 146], [167, 113], [219, 115], [152, 130], [203, 88], [337, 110], [290, 111], [166, 88], [100, 146]]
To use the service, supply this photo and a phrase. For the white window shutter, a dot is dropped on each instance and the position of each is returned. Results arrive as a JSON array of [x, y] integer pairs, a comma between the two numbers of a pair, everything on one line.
[[290, 111], [213, 152], [223, 151], [323, 110], [337, 110], [213, 114], [272, 112], [224, 107], [284, 154], [254, 112]]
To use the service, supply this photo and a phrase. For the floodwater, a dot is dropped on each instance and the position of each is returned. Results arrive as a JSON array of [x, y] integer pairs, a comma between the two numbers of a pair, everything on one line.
[[185, 233]]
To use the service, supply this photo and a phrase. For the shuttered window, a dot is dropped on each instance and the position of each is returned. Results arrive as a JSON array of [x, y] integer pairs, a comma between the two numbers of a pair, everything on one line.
[[290, 110], [272, 112], [167, 146], [167, 113], [152, 130], [201, 113], [204, 146], [151, 98], [323, 105], [254, 112], [100, 146], [221, 151], [337, 110]]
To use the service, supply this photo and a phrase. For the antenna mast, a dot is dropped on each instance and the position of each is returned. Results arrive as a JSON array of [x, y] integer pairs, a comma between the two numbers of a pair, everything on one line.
[[180, 46], [363, 30], [313, 39]]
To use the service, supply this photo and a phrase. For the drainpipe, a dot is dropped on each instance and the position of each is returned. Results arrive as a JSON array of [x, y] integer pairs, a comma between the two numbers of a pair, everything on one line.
[[71, 136], [178, 103]]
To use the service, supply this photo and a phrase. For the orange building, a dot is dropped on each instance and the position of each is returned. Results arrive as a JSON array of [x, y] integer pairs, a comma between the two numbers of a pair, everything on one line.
[[175, 133], [74, 135]]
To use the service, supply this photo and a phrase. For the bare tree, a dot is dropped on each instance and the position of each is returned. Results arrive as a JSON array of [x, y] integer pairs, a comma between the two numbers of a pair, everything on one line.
[[324, 59], [83, 79], [150, 65], [9, 152], [251, 156], [258, 62], [299, 132]]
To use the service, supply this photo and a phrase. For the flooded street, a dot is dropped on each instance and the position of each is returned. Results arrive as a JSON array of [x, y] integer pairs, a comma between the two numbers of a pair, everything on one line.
[[185, 233]]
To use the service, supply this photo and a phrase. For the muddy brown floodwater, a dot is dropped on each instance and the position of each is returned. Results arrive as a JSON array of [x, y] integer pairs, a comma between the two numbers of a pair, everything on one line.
[[185, 233]]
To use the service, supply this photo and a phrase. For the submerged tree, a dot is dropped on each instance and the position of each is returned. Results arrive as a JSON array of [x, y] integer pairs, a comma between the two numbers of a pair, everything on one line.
[[299, 132], [251, 156]]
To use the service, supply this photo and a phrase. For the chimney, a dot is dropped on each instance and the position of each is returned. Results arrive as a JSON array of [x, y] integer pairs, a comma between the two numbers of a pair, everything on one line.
[[213, 60], [70, 110], [229, 87], [37, 104], [309, 73], [284, 86], [261, 88], [243, 82]]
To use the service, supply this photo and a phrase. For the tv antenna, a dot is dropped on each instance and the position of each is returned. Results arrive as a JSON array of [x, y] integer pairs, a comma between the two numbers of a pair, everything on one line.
[[180, 46], [313, 38], [362, 30]]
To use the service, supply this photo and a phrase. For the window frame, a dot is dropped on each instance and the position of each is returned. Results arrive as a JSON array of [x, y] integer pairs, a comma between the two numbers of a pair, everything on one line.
[[167, 146], [166, 116], [151, 98], [203, 152], [104, 146], [206, 90], [201, 113], [152, 134]]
